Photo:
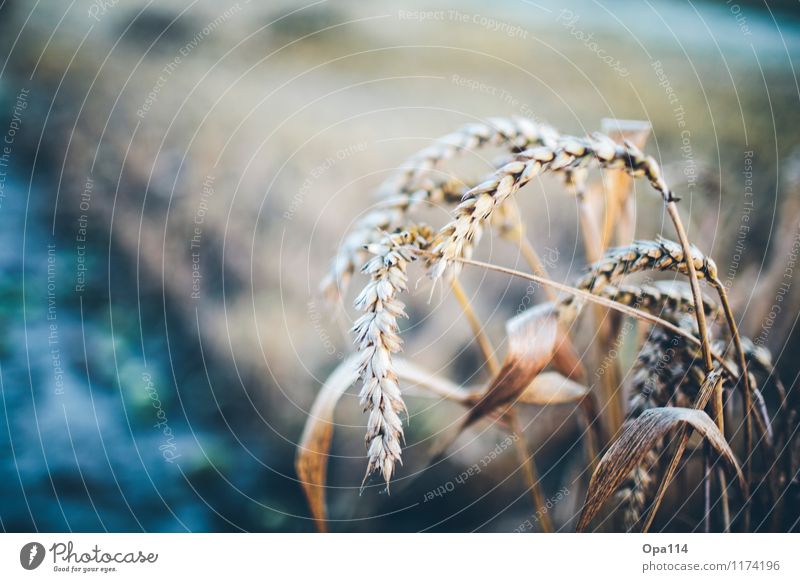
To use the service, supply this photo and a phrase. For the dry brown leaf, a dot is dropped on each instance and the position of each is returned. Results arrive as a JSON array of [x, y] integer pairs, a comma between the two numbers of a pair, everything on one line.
[[552, 388], [532, 341], [639, 437], [566, 360], [311, 462]]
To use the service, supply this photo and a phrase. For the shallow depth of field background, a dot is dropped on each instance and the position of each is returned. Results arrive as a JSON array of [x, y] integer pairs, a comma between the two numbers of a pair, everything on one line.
[[177, 175]]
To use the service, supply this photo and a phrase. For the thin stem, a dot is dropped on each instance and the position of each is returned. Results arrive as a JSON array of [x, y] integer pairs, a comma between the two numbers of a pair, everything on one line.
[[697, 295], [529, 470], [702, 328], [517, 234], [619, 199], [748, 391], [534, 262], [591, 438], [477, 329], [726, 509], [609, 382], [592, 244]]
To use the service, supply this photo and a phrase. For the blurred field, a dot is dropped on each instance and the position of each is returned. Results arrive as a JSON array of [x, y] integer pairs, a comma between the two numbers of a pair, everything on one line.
[[195, 165]]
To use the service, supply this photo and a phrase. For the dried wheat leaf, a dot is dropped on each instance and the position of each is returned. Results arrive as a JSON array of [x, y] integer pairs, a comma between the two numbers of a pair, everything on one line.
[[639, 437], [311, 461], [552, 388], [566, 360], [532, 341]]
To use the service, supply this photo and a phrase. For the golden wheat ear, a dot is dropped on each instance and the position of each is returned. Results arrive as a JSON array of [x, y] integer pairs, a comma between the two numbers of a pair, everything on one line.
[[377, 339]]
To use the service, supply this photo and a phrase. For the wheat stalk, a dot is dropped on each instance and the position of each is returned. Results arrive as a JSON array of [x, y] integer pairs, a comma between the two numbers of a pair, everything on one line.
[[687, 380], [377, 338]]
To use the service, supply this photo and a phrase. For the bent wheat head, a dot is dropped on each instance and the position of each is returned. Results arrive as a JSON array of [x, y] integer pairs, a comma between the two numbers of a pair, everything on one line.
[[377, 338]]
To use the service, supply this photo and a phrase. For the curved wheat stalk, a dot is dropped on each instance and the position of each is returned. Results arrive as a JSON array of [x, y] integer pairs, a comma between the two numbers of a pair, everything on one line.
[[407, 188]]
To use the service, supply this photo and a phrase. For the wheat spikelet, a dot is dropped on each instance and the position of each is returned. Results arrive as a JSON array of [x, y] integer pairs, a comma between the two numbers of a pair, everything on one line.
[[668, 371], [377, 338], [410, 187], [517, 132], [570, 155]]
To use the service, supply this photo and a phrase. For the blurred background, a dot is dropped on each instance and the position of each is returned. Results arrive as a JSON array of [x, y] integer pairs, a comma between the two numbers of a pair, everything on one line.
[[175, 177]]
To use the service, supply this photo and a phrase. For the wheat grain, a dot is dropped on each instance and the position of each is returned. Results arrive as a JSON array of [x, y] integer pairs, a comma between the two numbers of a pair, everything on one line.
[[377, 338], [645, 255], [515, 132]]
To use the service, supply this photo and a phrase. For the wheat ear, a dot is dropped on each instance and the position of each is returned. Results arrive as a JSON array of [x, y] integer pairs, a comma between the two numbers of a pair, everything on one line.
[[644, 255], [569, 155], [377, 338]]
